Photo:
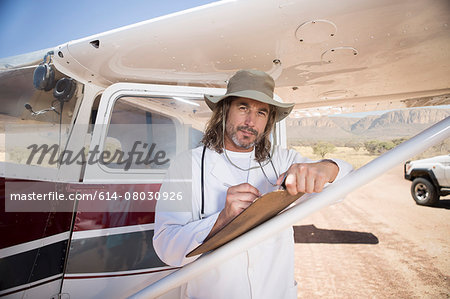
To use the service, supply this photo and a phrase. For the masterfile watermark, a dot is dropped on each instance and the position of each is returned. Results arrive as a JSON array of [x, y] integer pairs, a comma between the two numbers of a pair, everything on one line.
[[97, 195], [116, 146], [35, 196], [147, 156]]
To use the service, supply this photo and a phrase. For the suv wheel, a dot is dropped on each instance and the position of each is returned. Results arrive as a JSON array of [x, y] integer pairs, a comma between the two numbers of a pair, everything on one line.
[[424, 192]]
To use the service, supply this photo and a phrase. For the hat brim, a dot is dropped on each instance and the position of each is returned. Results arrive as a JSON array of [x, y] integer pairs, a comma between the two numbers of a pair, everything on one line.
[[283, 109]]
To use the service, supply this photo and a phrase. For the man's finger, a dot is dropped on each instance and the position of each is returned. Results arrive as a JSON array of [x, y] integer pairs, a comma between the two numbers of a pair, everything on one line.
[[301, 181], [320, 183], [247, 197], [309, 184], [237, 206], [291, 184], [247, 188]]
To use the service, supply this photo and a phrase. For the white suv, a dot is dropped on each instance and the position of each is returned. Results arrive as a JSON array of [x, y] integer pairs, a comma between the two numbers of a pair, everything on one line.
[[430, 179]]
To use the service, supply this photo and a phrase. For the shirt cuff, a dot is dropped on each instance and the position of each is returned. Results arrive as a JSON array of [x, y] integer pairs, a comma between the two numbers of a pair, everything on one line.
[[344, 168], [204, 228]]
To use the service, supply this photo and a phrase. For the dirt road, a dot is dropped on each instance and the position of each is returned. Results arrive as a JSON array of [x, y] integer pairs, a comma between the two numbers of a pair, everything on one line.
[[376, 244]]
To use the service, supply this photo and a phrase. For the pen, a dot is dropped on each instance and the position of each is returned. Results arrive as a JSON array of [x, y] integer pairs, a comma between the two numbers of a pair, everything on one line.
[[283, 183]]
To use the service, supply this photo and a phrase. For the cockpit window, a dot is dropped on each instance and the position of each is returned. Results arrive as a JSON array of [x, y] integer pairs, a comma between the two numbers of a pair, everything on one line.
[[32, 117]]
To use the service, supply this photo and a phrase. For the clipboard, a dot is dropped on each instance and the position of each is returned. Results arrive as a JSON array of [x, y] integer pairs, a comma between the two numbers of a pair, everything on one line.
[[261, 210]]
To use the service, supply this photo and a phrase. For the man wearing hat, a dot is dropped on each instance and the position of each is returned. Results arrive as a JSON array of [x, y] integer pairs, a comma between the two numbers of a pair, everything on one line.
[[218, 180]]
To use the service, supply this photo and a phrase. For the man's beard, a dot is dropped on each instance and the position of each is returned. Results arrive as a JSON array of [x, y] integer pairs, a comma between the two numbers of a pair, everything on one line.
[[232, 133]]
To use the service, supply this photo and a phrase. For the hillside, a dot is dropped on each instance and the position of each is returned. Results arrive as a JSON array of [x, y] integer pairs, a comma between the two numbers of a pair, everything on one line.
[[388, 126]]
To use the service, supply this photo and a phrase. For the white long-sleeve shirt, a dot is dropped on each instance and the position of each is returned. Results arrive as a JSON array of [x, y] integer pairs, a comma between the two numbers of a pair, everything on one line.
[[265, 270]]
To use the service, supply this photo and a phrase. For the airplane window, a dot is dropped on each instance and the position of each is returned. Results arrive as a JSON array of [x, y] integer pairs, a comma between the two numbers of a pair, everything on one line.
[[139, 137]]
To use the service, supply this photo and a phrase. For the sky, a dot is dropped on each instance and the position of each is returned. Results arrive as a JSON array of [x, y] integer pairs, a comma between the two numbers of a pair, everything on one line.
[[31, 25]]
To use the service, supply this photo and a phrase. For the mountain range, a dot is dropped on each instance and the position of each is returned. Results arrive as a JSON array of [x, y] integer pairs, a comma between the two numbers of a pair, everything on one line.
[[387, 126]]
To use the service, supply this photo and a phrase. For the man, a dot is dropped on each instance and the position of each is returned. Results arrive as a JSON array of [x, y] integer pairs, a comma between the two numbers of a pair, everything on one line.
[[236, 165]]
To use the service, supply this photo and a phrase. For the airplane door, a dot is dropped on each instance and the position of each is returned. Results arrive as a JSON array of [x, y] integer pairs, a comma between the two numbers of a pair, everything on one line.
[[139, 130]]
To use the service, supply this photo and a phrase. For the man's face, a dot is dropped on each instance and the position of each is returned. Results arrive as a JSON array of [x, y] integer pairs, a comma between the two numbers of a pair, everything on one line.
[[245, 124]]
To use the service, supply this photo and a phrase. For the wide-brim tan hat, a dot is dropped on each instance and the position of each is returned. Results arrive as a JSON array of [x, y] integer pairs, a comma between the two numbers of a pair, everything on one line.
[[255, 85]]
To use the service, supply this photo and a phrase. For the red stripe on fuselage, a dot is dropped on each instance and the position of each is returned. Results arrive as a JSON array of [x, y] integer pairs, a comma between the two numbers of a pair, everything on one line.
[[124, 211], [21, 227]]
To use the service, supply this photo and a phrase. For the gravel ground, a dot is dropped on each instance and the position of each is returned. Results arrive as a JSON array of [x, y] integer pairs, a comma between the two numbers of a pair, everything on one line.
[[376, 244]]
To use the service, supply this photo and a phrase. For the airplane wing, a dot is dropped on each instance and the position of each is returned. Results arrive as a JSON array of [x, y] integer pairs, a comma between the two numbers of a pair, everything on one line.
[[326, 56]]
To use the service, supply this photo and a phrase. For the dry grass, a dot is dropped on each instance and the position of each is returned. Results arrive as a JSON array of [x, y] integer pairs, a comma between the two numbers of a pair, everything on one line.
[[361, 157], [356, 158]]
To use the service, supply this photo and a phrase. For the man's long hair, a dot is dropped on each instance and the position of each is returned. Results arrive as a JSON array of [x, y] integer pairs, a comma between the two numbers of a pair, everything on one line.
[[213, 137]]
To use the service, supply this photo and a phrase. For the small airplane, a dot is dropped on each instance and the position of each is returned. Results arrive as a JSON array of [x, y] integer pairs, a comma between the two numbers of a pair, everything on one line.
[[100, 119]]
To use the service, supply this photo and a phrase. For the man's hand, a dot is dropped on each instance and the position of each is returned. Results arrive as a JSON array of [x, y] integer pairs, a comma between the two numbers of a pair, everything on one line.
[[239, 197], [309, 177]]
